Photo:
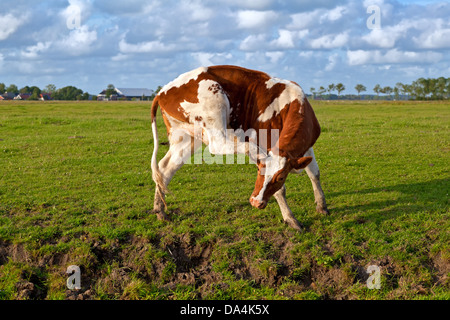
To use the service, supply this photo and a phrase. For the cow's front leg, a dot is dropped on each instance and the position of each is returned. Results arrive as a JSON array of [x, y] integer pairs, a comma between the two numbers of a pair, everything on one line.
[[313, 172], [288, 217], [223, 142]]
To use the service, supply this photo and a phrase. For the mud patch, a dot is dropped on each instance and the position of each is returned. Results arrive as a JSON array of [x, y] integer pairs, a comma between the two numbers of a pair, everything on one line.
[[441, 265], [112, 269]]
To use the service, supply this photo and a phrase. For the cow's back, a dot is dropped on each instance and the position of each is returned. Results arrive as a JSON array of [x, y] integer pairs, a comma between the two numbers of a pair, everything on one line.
[[256, 101]]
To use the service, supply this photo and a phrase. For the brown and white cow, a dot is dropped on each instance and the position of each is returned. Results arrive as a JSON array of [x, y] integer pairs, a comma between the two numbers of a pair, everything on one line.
[[218, 98]]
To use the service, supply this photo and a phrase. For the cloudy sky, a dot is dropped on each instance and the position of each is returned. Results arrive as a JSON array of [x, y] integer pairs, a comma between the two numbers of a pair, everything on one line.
[[134, 43]]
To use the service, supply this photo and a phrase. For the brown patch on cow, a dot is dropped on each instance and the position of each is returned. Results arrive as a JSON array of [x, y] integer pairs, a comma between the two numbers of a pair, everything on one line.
[[170, 101], [303, 128]]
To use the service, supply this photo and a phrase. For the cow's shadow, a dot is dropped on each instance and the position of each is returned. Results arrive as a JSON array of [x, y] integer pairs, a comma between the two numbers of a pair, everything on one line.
[[409, 198]]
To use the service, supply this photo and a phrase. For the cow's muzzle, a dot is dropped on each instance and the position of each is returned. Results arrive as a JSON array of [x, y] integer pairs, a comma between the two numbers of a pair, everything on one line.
[[258, 204]]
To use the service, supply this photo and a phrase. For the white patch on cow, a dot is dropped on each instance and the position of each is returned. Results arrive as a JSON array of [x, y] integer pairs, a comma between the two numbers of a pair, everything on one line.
[[313, 167], [291, 93], [212, 107], [274, 163], [183, 79], [273, 81]]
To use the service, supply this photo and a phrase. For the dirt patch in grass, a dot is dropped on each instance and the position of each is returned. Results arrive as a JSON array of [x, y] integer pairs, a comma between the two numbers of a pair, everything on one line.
[[442, 267], [117, 269]]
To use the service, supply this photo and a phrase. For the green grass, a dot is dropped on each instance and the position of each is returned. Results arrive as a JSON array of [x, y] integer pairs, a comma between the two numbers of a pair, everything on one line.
[[76, 188]]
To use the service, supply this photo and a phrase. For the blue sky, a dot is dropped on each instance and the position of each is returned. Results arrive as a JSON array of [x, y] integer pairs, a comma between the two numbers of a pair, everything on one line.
[[133, 43]]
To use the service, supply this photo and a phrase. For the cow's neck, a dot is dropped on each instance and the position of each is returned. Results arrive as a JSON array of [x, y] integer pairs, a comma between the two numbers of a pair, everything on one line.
[[298, 130]]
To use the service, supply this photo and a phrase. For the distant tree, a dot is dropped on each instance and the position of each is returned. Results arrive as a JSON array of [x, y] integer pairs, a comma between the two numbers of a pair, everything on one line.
[[313, 91], [440, 87], [35, 94], [339, 88], [2, 88], [50, 88], [377, 89], [110, 89], [34, 88], [321, 90], [398, 89], [331, 87], [25, 89], [85, 96], [12, 88], [67, 93], [396, 92], [158, 89], [360, 88], [424, 87], [415, 90], [447, 88], [387, 90]]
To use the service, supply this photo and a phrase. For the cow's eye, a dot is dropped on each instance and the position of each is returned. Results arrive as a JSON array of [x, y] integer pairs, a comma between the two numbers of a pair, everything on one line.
[[280, 178]]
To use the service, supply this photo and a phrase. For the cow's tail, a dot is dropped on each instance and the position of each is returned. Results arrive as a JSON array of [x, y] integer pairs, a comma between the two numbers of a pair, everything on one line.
[[157, 176]]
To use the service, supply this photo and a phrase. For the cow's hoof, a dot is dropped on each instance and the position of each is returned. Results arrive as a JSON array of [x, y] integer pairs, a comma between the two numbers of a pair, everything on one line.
[[322, 210], [294, 224]]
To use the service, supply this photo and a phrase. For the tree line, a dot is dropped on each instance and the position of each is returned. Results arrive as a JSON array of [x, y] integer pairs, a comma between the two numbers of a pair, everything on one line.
[[65, 93], [420, 89]]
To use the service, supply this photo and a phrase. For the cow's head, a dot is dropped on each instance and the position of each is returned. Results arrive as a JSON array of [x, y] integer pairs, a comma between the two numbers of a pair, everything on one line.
[[272, 173]]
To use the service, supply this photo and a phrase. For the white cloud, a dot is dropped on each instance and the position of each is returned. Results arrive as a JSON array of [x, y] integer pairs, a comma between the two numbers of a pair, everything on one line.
[[197, 11], [275, 56], [411, 71], [385, 37], [303, 20], [307, 19], [9, 24], [145, 47], [79, 41], [210, 58], [333, 60], [32, 52], [291, 38], [361, 57], [434, 39], [120, 57], [330, 41], [204, 58], [306, 54], [284, 41], [252, 19], [426, 33], [253, 43], [249, 4], [333, 14]]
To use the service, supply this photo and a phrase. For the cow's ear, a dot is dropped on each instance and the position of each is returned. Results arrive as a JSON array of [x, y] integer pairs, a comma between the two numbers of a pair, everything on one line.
[[300, 163]]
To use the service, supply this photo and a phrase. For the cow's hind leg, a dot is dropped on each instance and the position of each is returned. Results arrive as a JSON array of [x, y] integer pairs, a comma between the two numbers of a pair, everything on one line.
[[180, 151], [314, 175], [288, 217], [168, 169]]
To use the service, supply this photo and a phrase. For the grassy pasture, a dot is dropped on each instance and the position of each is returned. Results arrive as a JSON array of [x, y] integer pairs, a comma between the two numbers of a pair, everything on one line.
[[76, 189]]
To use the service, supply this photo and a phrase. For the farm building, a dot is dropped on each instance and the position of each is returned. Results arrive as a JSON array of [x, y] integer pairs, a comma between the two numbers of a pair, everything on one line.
[[22, 96], [127, 94], [7, 96]]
